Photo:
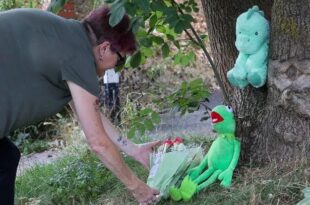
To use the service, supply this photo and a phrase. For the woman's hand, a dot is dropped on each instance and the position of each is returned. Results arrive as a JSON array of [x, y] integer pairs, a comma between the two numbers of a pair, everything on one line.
[[142, 153], [144, 194]]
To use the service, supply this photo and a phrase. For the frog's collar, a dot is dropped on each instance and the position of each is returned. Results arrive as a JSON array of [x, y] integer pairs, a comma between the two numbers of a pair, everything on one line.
[[228, 135]]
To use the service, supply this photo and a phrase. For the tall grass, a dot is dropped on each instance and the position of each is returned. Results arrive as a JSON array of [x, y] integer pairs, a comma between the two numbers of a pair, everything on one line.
[[80, 178]]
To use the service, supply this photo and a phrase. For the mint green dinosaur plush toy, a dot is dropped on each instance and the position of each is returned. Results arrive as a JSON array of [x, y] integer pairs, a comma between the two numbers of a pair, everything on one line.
[[220, 161], [252, 32]]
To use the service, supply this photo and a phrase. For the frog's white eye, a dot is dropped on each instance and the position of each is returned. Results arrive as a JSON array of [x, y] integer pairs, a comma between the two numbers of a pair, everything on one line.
[[229, 109]]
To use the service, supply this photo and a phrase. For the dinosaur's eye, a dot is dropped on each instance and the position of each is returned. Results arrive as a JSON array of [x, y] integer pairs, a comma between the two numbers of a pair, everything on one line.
[[229, 109], [256, 33], [239, 32]]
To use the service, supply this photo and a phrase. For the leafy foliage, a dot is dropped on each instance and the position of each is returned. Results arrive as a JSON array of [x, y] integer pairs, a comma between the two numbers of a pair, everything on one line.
[[56, 5], [156, 23], [27, 145], [11, 4], [188, 97], [145, 119]]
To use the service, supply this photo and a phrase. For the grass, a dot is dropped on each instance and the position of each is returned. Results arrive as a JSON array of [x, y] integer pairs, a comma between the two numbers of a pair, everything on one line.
[[80, 178], [71, 180]]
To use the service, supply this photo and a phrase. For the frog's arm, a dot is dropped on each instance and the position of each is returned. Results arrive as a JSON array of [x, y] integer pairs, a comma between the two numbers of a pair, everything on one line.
[[204, 162], [236, 155], [226, 176]]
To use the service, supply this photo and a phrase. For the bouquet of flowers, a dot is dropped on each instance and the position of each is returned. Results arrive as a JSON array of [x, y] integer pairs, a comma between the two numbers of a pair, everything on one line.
[[170, 162]]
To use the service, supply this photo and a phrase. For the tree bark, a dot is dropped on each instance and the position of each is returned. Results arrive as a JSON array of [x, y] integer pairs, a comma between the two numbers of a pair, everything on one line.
[[273, 121]]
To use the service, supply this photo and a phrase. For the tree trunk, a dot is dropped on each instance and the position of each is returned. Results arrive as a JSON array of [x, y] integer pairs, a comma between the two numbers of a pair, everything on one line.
[[273, 121]]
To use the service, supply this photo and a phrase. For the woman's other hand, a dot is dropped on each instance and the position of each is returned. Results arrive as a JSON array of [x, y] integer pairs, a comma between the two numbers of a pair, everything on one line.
[[143, 151], [144, 194]]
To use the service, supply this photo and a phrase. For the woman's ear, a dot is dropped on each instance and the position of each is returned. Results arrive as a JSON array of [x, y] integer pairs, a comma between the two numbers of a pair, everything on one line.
[[104, 45]]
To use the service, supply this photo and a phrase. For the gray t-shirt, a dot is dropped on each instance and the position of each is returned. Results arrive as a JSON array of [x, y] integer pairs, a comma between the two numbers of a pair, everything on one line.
[[39, 51]]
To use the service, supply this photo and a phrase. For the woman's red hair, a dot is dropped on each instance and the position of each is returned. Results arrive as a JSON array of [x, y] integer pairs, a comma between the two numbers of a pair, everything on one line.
[[120, 36]]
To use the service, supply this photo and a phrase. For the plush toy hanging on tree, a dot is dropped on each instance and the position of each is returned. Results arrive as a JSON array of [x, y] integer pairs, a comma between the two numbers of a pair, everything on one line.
[[220, 161], [252, 39]]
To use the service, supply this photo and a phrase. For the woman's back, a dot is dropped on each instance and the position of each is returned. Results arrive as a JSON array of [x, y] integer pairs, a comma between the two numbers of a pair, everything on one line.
[[37, 49]]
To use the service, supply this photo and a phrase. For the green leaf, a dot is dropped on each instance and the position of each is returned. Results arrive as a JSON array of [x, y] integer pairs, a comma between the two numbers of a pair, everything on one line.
[[117, 13], [188, 9], [184, 60], [146, 42], [149, 125], [204, 37], [192, 56], [56, 5], [141, 128], [165, 50], [187, 18], [177, 58], [161, 29], [135, 23], [131, 8], [179, 27], [153, 21], [155, 117], [168, 2], [183, 86], [196, 9], [170, 37], [159, 14], [143, 59], [157, 39], [196, 83], [176, 43], [146, 111], [135, 60], [144, 5], [128, 60], [158, 6], [131, 133], [141, 34], [148, 52], [172, 17]]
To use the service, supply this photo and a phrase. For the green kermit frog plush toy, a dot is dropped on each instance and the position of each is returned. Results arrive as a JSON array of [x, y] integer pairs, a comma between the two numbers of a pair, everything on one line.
[[220, 161]]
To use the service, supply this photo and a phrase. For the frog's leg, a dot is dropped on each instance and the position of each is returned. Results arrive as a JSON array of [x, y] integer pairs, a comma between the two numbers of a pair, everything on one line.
[[202, 177], [175, 193], [210, 180], [195, 172], [189, 187]]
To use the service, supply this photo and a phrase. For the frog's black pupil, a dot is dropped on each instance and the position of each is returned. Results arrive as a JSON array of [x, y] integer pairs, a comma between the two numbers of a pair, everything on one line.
[[256, 33]]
